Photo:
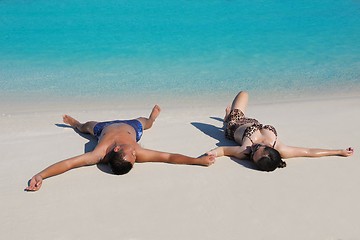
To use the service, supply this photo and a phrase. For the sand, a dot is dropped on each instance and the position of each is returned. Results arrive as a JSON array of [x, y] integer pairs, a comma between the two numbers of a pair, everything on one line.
[[309, 199]]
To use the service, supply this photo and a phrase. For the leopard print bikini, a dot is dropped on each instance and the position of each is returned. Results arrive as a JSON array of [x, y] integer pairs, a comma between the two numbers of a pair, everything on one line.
[[237, 118]]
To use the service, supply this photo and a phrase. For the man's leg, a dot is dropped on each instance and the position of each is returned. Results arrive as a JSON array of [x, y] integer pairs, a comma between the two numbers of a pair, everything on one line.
[[87, 127], [148, 122]]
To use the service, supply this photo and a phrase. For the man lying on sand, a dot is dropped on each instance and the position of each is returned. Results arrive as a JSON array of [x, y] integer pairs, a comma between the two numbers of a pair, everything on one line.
[[117, 145]]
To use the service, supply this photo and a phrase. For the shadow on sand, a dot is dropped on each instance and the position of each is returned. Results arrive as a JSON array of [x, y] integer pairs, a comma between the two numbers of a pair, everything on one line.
[[90, 146], [217, 133]]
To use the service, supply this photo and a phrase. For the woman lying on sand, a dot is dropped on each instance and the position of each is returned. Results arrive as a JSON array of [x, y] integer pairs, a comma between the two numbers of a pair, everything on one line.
[[117, 145], [259, 143]]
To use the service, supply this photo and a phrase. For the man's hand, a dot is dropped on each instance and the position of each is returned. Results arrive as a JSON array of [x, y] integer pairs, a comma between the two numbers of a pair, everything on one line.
[[207, 160], [35, 183]]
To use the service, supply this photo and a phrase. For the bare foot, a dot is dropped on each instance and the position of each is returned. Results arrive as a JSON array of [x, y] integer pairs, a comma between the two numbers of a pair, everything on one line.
[[155, 112], [71, 121], [227, 112]]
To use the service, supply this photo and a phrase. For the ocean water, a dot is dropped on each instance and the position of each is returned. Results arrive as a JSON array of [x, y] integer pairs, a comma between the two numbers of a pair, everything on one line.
[[124, 48]]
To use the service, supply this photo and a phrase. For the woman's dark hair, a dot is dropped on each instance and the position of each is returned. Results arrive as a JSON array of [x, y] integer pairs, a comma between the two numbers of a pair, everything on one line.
[[118, 165], [271, 160]]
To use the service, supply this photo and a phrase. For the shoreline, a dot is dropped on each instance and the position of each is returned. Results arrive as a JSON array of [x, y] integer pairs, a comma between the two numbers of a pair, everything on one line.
[[29, 103]]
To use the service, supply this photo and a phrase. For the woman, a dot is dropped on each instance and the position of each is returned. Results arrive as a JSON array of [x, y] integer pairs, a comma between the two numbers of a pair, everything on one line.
[[259, 143]]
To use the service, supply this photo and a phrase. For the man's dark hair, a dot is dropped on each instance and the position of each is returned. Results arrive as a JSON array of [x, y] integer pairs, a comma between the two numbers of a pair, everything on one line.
[[271, 160], [118, 164]]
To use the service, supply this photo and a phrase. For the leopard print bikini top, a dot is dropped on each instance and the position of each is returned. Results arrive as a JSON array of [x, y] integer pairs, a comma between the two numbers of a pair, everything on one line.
[[258, 126], [236, 119]]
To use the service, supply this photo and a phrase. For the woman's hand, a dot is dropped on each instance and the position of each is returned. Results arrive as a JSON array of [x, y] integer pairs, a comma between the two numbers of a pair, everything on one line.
[[35, 183], [214, 153], [347, 152]]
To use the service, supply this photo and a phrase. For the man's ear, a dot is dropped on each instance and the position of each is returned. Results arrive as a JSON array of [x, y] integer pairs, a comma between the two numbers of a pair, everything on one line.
[[117, 148]]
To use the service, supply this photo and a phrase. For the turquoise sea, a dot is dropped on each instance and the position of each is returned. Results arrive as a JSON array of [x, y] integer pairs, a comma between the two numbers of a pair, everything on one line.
[[178, 48]]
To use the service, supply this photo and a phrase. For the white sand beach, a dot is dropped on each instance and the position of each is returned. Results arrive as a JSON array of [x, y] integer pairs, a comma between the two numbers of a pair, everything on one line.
[[309, 199]]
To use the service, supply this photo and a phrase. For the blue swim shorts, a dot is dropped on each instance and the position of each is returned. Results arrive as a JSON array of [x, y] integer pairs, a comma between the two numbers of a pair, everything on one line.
[[136, 124]]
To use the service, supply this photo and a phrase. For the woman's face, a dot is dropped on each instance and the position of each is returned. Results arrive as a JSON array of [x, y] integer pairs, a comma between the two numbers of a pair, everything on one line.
[[257, 152]]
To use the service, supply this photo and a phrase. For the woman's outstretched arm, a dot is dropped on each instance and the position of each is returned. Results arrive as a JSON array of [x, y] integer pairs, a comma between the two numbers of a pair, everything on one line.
[[292, 152], [238, 152]]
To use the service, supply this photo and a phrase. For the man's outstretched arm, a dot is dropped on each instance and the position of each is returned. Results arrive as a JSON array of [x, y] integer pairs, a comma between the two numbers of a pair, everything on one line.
[[85, 159], [146, 155]]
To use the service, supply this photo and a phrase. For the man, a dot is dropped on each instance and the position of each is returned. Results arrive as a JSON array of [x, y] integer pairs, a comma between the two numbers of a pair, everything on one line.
[[117, 145]]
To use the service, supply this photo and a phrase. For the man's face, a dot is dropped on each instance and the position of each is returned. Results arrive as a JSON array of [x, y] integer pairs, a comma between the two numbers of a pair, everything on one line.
[[129, 153]]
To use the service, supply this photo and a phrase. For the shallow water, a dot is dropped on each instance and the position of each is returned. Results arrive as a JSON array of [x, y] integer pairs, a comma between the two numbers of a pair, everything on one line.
[[178, 48]]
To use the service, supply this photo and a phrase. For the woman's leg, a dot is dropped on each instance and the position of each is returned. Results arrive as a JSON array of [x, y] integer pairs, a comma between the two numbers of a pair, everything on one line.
[[148, 122], [240, 102], [87, 127]]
